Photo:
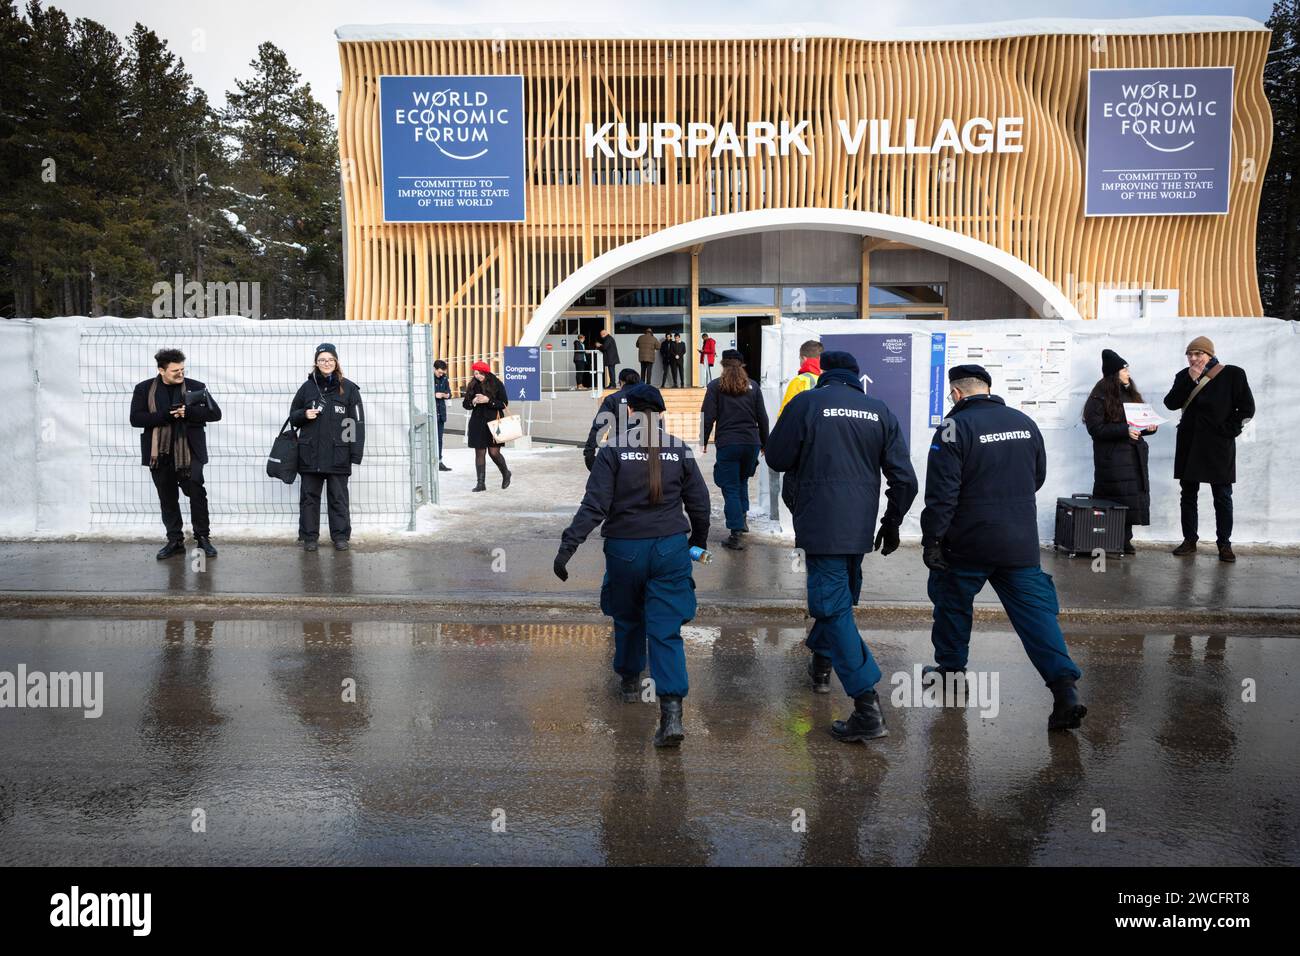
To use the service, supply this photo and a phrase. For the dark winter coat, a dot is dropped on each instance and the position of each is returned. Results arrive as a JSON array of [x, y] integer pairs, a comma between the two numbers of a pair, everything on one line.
[[1119, 463], [980, 483], [476, 432], [740, 419], [333, 442], [1207, 448], [607, 417], [196, 416], [609, 348], [666, 352], [834, 441], [646, 347], [618, 496], [679, 350], [581, 360], [441, 386]]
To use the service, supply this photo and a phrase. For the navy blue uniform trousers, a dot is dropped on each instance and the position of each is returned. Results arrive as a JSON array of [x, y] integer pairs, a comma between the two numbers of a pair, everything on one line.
[[834, 586], [649, 592], [734, 467], [1029, 598]]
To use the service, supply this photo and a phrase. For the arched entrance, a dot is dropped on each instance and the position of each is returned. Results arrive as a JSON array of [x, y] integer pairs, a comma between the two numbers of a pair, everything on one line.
[[1027, 282]]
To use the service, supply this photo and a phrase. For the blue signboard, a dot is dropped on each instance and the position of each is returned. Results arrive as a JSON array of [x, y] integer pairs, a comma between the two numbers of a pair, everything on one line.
[[452, 148], [1159, 141], [938, 376], [885, 362], [521, 373]]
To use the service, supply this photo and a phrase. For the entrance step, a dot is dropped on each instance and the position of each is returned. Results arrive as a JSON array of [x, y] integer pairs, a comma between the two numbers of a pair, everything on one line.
[[681, 411]]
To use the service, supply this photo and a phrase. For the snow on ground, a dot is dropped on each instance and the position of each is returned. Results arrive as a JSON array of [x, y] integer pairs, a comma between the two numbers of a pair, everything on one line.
[[546, 486]]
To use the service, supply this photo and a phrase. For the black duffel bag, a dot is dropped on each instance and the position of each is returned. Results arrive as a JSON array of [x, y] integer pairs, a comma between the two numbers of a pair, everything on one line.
[[282, 463]]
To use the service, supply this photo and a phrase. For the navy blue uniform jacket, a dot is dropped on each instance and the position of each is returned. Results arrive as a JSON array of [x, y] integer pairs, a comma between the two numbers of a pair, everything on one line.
[[618, 494], [606, 417], [834, 441], [980, 484]]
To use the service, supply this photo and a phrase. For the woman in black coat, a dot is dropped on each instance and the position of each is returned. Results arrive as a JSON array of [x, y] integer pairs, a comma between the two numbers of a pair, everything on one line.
[[1119, 452], [485, 398], [328, 414]]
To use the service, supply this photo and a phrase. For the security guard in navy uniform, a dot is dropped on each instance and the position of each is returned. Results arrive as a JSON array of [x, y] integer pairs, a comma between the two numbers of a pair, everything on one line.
[[607, 416], [638, 486], [834, 442], [980, 524]]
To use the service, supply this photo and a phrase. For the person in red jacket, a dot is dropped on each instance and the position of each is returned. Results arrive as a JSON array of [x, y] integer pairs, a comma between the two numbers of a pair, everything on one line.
[[708, 349]]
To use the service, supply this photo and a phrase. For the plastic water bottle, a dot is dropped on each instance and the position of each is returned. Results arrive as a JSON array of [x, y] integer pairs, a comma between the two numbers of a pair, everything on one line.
[[700, 555]]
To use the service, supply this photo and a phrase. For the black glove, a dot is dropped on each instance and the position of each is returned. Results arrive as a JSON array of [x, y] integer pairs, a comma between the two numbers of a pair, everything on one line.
[[932, 555], [562, 559], [588, 458], [886, 538]]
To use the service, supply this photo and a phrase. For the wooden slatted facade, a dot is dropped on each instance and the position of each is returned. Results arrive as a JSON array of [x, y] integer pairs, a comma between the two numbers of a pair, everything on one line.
[[479, 284]]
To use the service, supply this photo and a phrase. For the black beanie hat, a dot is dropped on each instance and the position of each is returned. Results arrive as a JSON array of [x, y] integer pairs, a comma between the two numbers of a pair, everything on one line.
[[1111, 362], [839, 359], [959, 372], [327, 347], [643, 397]]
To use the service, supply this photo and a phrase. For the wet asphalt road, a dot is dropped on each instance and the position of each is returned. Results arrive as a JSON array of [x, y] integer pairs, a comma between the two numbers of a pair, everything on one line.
[[458, 726]]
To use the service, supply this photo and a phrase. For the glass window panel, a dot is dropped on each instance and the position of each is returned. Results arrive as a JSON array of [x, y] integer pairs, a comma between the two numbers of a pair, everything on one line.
[[908, 294], [589, 299], [813, 297], [724, 295], [651, 298], [656, 322]]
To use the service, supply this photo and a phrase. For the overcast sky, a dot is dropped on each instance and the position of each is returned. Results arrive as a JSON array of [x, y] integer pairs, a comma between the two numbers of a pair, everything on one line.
[[217, 39]]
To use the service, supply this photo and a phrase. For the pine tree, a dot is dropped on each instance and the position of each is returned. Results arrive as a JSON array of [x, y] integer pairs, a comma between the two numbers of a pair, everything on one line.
[[116, 173], [284, 188]]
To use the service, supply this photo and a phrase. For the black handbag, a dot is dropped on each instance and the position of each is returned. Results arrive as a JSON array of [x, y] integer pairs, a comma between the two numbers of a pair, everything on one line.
[[282, 463]]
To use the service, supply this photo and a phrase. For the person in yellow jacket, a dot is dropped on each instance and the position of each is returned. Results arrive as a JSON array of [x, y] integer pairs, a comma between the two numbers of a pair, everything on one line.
[[810, 369]]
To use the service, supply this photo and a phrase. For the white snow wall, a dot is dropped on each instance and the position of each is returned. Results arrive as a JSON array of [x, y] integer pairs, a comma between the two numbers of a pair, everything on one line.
[[73, 461], [1266, 502]]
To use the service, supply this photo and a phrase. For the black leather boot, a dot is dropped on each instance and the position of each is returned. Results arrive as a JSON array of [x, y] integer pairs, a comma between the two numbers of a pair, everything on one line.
[[941, 670], [207, 547], [732, 542], [1067, 712], [630, 689], [169, 549], [819, 669], [670, 732], [481, 470], [865, 723]]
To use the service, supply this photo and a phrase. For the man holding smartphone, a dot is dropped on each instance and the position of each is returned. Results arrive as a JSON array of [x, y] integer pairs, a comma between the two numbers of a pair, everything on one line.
[[173, 410]]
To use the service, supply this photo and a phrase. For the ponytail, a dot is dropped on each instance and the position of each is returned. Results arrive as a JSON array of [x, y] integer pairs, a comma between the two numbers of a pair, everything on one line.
[[656, 465]]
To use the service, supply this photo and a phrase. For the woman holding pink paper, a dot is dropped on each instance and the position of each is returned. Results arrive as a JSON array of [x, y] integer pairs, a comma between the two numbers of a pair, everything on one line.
[[1119, 452]]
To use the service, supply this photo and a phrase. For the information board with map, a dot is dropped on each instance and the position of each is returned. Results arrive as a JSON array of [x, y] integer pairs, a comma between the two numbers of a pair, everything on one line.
[[1030, 370]]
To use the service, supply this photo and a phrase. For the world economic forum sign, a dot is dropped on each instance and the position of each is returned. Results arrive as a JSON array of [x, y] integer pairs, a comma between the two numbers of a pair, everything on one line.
[[452, 148], [1159, 141]]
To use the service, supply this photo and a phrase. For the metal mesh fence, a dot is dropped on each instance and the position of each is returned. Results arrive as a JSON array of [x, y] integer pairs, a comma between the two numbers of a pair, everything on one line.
[[253, 370]]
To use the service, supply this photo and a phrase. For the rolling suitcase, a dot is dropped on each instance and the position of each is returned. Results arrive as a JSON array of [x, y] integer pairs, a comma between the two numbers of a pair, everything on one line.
[[1085, 523]]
